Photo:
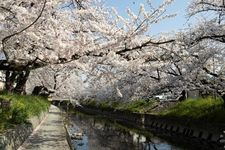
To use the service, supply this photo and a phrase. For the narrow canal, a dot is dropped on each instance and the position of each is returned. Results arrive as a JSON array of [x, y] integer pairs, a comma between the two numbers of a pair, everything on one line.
[[103, 134]]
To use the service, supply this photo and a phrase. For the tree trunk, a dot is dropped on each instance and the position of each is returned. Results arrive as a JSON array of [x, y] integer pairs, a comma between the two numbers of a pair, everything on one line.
[[223, 97], [10, 80], [16, 81], [21, 82]]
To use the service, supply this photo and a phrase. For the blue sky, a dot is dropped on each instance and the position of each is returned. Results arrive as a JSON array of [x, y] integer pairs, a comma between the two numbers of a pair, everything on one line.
[[178, 7]]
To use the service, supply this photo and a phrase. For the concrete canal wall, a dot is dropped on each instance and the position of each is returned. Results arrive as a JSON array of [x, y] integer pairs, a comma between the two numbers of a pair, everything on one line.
[[13, 138], [198, 132]]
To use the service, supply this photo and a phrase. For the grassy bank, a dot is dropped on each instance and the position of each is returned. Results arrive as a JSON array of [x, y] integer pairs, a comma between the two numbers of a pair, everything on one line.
[[204, 109], [138, 106], [207, 110], [21, 108]]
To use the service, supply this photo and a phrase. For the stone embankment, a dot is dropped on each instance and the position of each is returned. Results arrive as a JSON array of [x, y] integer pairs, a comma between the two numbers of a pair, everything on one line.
[[200, 133], [45, 132], [13, 138]]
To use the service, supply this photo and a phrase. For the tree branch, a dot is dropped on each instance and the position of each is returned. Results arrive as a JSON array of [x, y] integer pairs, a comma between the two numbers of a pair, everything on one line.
[[144, 45], [24, 29], [8, 10], [209, 72]]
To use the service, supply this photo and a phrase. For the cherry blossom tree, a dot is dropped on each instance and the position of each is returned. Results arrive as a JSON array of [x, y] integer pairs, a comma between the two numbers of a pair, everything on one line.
[[194, 60], [205, 45], [35, 34], [63, 81]]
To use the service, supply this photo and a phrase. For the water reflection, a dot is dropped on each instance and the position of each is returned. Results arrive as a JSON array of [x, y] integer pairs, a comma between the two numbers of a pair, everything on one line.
[[101, 134]]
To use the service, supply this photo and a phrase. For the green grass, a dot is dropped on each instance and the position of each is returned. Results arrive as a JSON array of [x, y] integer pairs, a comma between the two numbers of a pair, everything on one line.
[[22, 107], [201, 109], [139, 106], [207, 109], [88, 102]]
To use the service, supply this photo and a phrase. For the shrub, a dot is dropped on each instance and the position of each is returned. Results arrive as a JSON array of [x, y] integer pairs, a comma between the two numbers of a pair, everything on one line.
[[19, 115], [22, 107]]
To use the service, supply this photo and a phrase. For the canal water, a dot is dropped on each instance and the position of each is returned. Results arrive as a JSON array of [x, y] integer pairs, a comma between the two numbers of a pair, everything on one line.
[[95, 133]]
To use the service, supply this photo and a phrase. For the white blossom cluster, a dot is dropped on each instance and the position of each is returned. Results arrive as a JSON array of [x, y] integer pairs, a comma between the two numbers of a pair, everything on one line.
[[101, 54]]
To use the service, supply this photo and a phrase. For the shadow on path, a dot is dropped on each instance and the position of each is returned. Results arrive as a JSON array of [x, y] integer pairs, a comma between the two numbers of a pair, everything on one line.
[[50, 135]]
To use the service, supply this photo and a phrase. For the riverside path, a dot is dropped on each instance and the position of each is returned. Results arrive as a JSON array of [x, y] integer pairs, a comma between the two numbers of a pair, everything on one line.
[[49, 135]]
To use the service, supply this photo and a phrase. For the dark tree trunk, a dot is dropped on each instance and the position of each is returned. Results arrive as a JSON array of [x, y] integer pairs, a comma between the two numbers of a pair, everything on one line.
[[183, 96], [10, 80], [16, 81], [223, 97], [21, 82]]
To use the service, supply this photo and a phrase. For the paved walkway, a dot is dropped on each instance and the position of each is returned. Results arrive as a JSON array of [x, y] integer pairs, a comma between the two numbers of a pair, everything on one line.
[[49, 135]]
